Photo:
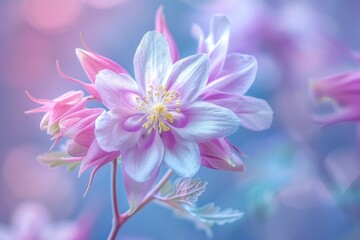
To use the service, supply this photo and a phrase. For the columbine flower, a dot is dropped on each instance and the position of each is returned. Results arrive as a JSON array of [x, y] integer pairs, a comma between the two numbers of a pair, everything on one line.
[[57, 109], [159, 117], [79, 127], [344, 90], [231, 75]]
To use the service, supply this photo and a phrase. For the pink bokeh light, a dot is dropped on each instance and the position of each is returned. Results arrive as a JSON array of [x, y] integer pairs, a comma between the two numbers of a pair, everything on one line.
[[104, 3], [51, 15]]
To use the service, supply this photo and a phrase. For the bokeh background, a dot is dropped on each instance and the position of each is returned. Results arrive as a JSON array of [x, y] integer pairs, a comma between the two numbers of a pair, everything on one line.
[[302, 180]]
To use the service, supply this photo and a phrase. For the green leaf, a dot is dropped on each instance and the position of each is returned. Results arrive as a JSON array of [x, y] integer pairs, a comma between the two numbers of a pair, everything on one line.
[[55, 159], [182, 195], [184, 191]]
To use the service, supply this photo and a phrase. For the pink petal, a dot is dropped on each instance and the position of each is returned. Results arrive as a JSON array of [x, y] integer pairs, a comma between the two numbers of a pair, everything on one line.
[[217, 154], [136, 191], [143, 159], [74, 149], [344, 88], [70, 97], [93, 63], [207, 121], [61, 110], [253, 113], [181, 155], [76, 122], [199, 34], [237, 75], [217, 43], [162, 27], [86, 136], [117, 90], [189, 76], [96, 156], [339, 115], [110, 132], [152, 60], [89, 87]]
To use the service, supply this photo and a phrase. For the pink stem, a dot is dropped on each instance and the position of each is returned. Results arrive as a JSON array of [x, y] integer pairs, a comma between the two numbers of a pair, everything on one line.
[[117, 220], [120, 219]]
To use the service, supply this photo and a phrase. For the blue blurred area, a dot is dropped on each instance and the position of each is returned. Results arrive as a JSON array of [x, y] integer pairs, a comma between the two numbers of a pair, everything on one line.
[[302, 181]]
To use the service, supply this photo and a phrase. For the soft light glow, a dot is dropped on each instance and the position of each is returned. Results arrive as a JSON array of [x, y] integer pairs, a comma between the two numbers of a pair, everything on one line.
[[101, 4], [51, 15]]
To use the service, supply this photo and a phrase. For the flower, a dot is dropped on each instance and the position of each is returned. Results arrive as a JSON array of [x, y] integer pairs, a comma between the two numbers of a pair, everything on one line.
[[344, 91], [159, 117], [32, 221], [231, 75], [79, 127], [57, 109]]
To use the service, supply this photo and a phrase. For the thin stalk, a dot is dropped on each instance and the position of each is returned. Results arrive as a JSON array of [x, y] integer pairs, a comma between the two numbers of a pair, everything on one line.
[[117, 220], [120, 219]]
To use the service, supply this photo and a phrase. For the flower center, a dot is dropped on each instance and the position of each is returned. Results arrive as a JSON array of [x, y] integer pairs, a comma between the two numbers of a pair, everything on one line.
[[159, 106]]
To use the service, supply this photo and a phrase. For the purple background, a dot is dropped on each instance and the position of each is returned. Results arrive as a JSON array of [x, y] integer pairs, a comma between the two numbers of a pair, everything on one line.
[[301, 181]]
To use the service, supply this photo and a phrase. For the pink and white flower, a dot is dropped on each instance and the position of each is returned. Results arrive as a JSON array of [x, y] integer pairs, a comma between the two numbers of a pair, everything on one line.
[[160, 117]]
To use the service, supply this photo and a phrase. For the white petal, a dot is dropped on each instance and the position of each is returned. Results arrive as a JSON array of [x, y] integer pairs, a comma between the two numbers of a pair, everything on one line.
[[152, 60], [189, 76], [116, 90], [237, 75], [207, 121], [181, 155], [217, 42], [110, 132], [143, 159], [253, 113]]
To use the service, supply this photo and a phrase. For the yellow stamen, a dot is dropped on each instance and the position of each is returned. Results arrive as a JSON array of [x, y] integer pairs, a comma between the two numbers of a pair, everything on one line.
[[155, 103]]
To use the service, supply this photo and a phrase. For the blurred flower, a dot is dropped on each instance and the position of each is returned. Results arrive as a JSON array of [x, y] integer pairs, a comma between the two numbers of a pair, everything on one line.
[[31, 221], [344, 91], [158, 118]]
